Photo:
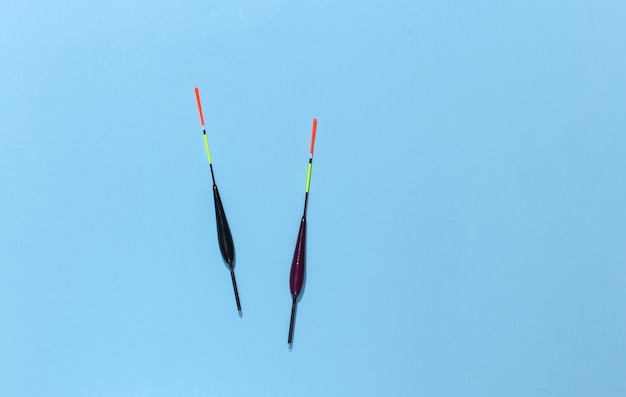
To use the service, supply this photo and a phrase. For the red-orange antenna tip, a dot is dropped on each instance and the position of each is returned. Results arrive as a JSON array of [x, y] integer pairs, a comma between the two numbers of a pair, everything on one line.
[[313, 136], [199, 106]]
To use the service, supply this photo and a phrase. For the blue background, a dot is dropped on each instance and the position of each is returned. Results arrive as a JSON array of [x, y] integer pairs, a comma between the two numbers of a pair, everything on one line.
[[466, 220]]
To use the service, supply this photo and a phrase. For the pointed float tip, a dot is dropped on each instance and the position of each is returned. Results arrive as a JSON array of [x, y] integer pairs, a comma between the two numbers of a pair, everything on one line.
[[292, 321], [232, 276]]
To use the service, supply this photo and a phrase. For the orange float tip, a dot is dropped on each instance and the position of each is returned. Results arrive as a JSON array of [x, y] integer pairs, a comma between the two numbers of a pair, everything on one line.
[[199, 106], [313, 136]]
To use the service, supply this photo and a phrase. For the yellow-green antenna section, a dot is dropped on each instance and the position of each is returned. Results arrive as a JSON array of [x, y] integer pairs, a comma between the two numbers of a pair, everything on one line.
[[206, 146], [308, 177]]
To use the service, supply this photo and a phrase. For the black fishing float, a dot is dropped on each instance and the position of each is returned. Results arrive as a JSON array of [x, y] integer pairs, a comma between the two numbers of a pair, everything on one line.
[[224, 237], [297, 274]]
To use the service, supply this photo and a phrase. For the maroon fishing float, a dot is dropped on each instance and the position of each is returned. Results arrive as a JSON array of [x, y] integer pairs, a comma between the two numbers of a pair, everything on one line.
[[296, 277]]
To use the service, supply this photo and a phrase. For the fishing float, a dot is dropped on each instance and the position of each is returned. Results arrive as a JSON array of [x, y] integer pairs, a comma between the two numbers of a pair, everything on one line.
[[224, 236], [297, 274]]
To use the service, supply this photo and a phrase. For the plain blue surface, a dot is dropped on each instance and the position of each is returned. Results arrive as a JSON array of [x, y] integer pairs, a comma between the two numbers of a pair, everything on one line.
[[466, 221]]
